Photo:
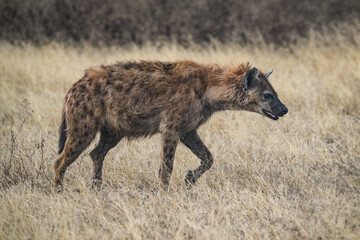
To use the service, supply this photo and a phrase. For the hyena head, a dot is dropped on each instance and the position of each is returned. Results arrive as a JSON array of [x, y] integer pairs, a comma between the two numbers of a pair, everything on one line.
[[261, 95]]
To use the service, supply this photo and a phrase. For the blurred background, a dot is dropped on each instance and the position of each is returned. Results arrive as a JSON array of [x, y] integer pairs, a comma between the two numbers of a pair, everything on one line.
[[297, 178], [128, 22]]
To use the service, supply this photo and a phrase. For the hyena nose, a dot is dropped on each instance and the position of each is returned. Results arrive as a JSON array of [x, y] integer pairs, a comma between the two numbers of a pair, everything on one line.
[[284, 110]]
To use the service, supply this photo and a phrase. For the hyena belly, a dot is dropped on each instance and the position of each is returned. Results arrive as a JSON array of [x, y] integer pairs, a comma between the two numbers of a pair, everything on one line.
[[137, 113], [152, 107], [134, 125]]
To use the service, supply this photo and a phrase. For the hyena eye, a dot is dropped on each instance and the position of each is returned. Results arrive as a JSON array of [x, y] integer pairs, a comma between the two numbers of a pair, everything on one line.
[[268, 96]]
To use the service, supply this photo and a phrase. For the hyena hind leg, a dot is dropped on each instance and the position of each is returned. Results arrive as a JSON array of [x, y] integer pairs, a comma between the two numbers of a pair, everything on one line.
[[107, 141], [170, 142], [74, 146], [194, 143]]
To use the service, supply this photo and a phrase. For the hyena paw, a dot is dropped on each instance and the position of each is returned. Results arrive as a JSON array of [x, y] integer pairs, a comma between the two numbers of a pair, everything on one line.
[[96, 184], [58, 189], [190, 179]]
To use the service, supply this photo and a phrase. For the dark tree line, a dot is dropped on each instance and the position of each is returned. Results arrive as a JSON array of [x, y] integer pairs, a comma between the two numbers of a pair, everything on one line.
[[138, 21]]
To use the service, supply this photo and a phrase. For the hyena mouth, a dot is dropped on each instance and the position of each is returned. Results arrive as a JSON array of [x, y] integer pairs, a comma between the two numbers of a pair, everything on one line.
[[270, 115]]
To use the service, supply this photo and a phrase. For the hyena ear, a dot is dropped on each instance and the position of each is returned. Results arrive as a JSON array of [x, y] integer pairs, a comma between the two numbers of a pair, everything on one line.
[[267, 75], [250, 78]]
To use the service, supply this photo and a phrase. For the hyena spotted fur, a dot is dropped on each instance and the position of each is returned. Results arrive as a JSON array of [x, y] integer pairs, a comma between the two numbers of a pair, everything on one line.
[[140, 99]]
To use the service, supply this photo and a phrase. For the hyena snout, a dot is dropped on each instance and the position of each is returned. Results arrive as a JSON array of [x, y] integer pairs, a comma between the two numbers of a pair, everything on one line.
[[280, 109], [277, 109], [283, 110]]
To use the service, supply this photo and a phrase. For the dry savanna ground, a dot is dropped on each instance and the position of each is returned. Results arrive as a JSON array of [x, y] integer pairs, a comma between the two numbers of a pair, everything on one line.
[[296, 178]]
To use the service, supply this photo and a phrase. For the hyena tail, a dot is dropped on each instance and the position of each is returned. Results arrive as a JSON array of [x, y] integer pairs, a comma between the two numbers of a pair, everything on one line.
[[62, 133]]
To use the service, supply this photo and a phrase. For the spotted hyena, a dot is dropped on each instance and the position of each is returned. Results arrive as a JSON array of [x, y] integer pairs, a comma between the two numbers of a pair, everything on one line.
[[140, 99]]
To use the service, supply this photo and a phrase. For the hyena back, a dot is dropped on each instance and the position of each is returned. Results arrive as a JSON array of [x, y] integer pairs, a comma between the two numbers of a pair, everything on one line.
[[139, 99]]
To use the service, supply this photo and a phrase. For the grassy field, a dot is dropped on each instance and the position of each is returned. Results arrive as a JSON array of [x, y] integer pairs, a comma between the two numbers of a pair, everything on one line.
[[296, 178]]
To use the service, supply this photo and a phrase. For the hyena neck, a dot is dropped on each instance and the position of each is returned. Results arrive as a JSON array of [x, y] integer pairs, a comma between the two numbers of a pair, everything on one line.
[[223, 93]]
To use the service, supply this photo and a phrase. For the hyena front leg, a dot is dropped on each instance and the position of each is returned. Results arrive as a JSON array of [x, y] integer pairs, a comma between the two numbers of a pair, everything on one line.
[[170, 141], [194, 143], [107, 141]]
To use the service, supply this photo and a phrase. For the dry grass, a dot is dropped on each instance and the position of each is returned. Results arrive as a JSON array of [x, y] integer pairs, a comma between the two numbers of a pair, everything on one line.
[[298, 177]]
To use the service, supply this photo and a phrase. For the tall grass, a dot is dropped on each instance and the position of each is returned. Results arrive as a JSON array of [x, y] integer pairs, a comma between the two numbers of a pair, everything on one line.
[[295, 178]]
